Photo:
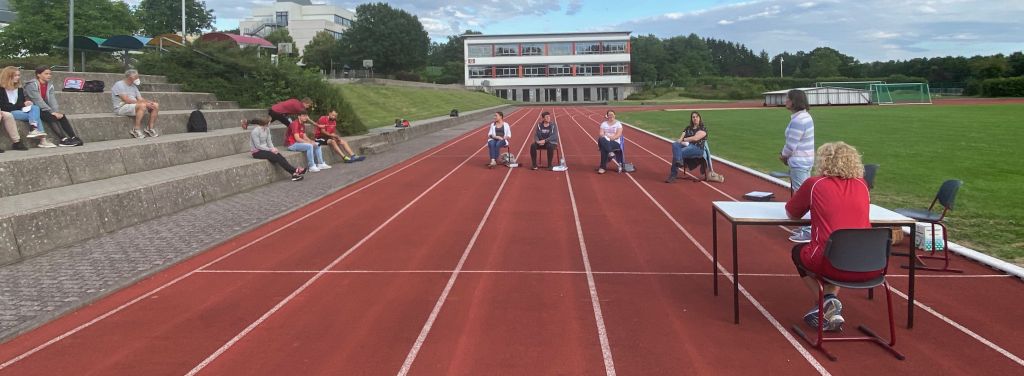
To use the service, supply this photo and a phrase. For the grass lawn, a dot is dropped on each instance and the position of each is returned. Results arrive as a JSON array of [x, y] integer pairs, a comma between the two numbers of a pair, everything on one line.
[[378, 106], [918, 147]]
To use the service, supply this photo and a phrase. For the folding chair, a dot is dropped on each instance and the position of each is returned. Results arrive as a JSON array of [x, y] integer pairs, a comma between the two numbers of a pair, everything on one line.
[[620, 156], [704, 162], [945, 197], [855, 250]]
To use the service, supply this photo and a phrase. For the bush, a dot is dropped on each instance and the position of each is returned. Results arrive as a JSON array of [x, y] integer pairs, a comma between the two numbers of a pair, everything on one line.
[[407, 76], [1003, 87], [239, 75], [94, 62]]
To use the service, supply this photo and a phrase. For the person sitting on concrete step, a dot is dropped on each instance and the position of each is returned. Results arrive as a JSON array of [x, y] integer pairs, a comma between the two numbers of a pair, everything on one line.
[[128, 101], [297, 140], [326, 134], [43, 94], [263, 148], [13, 106]]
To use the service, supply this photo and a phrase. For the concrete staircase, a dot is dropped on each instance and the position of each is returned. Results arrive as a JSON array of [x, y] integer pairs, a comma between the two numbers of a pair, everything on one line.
[[51, 198]]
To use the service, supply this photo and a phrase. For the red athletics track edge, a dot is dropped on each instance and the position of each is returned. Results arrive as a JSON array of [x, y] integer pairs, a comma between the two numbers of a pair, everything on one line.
[[133, 295]]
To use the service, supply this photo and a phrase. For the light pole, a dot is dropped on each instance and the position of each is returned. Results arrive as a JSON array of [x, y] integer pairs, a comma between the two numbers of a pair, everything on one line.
[[71, 36], [781, 59], [183, 21]]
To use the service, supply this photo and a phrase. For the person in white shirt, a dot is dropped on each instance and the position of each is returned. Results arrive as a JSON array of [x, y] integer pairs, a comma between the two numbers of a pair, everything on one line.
[[798, 152], [497, 137], [608, 141], [128, 101]]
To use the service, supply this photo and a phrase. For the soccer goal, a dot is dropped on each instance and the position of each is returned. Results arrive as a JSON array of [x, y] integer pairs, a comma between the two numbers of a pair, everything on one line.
[[901, 93], [859, 85]]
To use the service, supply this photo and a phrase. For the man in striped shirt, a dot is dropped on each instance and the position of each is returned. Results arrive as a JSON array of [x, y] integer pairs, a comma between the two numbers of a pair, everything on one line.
[[798, 153]]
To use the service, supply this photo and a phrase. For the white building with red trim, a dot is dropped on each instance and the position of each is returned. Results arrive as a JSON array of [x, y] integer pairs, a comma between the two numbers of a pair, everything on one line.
[[564, 67]]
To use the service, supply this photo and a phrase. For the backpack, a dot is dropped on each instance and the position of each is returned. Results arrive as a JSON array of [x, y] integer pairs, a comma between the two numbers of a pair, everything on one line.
[[74, 84], [197, 122], [93, 86]]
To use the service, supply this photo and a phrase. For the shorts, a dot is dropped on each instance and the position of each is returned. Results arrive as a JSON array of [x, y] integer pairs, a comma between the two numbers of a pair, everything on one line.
[[127, 109], [321, 141], [796, 260]]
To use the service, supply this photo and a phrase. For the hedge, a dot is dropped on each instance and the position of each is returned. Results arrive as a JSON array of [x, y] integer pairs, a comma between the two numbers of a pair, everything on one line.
[[1003, 87]]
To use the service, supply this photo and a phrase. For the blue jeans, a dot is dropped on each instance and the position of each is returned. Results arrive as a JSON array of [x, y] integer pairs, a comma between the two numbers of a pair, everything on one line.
[[796, 179], [606, 147], [32, 117], [494, 147], [311, 151], [680, 152]]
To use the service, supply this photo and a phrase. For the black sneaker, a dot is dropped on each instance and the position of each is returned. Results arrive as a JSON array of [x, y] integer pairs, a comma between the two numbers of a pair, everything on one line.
[[297, 177], [66, 142], [20, 145], [77, 141]]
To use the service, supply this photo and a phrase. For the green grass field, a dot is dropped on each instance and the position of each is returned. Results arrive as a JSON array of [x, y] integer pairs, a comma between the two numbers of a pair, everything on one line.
[[378, 106], [918, 147]]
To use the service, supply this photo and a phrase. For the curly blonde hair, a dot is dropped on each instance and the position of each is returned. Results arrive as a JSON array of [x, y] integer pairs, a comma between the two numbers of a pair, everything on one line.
[[7, 78], [840, 160]]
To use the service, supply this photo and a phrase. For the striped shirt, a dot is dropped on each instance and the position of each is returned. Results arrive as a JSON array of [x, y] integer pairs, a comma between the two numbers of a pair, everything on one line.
[[799, 146]]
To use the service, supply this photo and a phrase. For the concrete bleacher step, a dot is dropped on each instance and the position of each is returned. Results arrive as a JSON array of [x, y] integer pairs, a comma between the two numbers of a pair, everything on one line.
[[108, 78], [218, 105], [73, 103], [36, 222], [165, 88], [375, 148]]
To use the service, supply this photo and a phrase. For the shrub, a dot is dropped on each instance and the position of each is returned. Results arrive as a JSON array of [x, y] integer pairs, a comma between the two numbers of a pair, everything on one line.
[[1003, 87], [407, 76]]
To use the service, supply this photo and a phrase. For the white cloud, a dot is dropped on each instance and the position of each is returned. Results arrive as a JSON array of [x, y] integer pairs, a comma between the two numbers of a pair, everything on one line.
[[574, 7], [725, 22]]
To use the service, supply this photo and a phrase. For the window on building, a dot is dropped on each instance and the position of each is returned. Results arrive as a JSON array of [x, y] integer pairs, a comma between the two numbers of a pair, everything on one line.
[[559, 70], [586, 94], [480, 50], [587, 48], [334, 34], [479, 72], [559, 49], [533, 71], [588, 70], [614, 69], [526, 95], [501, 93], [506, 50], [533, 49], [282, 18], [614, 48], [550, 95], [506, 71], [565, 95], [342, 21]]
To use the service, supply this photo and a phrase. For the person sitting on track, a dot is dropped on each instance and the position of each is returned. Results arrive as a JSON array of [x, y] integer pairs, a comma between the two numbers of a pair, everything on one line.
[[689, 145], [545, 136], [608, 141], [497, 137], [326, 134], [837, 199]]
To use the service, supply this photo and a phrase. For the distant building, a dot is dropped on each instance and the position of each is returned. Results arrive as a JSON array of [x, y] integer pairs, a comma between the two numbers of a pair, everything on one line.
[[6, 15], [565, 67], [821, 96], [302, 18]]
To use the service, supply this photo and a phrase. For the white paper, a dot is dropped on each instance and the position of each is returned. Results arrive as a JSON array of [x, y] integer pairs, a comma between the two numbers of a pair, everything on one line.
[[759, 194]]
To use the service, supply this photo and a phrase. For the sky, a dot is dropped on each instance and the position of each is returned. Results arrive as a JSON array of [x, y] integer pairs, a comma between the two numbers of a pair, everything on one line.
[[869, 30]]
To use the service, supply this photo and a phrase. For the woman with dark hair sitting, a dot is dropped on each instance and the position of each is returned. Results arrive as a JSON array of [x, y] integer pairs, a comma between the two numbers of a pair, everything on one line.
[[689, 145], [43, 94], [263, 147]]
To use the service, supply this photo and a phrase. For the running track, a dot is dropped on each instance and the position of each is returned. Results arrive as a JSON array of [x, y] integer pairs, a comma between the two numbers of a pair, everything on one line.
[[440, 266]]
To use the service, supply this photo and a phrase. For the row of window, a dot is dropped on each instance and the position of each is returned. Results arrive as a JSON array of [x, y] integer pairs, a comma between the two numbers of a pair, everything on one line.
[[506, 71], [546, 49], [342, 21], [281, 19], [559, 94]]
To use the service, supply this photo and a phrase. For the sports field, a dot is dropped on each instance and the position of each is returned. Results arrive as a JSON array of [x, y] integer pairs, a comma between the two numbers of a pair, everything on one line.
[[379, 106], [917, 147]]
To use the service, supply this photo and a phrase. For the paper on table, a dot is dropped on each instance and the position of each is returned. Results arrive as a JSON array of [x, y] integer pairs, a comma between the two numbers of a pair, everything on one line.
[[759, 194]]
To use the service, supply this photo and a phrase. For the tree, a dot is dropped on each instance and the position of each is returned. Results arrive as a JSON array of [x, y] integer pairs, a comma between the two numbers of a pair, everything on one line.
[[280, 35], [394, 39], [164, 16], [41, 24], [322, 52], [824, 62]]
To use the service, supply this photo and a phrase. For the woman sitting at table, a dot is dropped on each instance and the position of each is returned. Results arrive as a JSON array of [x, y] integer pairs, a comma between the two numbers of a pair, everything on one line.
[[837, 199]]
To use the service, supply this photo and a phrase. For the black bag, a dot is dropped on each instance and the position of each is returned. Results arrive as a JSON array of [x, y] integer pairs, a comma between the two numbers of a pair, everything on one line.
[[93, 86], [196, 122]]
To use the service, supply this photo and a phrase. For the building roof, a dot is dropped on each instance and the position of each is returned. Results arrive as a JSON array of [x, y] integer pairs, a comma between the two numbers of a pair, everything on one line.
[[582, 33], [784, 91], [300, 2]]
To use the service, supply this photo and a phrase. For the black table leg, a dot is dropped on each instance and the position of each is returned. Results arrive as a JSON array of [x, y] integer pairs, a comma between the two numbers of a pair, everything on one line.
[[735, 279], [714, 247]]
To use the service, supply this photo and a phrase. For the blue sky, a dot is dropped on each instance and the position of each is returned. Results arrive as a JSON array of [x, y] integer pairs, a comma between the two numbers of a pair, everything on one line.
[[869, 30]]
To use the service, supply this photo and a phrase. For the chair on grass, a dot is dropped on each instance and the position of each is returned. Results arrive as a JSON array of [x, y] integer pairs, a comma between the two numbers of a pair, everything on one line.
[[856, 250], [945, 197]]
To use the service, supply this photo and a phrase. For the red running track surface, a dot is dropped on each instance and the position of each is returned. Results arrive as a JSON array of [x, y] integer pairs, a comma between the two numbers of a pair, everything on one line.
[[441, 266]]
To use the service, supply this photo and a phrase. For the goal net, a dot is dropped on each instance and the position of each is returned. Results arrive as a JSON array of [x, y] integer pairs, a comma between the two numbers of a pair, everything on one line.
[[900, 93], [859, 85]]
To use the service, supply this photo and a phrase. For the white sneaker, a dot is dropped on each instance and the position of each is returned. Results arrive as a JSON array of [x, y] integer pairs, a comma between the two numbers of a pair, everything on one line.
[[313, 169], [35, 133], [46, 144], [323, 166]]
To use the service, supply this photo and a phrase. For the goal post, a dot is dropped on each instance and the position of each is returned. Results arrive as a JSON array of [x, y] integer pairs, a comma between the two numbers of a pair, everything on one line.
[[859, 85], [900, 93]]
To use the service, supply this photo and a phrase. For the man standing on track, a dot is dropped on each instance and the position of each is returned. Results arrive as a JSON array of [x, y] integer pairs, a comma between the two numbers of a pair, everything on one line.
[[798, 153]]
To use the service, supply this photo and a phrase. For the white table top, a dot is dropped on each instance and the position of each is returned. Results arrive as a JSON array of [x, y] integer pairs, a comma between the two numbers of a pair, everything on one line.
[[775, 212]]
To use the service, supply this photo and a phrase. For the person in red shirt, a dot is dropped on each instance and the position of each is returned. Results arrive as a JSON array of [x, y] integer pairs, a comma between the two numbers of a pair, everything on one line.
[[326, 134], [297, 140], [837, 199], [282, 110]]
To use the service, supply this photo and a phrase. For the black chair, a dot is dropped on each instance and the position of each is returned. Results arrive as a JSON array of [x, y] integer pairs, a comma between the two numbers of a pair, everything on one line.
[[856, 250], [869, 175], [945, 197]]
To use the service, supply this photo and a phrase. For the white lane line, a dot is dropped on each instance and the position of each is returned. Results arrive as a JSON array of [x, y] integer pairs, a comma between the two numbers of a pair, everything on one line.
[[760, 308], [569, 272], [247, 245], [425, 331], [956, 325], [602, 331], [322, 272], [964, 329]]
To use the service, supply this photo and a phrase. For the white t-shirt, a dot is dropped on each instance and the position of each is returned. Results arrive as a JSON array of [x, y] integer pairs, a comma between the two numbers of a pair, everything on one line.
[[119, 88], [609, 130], [12, 96]]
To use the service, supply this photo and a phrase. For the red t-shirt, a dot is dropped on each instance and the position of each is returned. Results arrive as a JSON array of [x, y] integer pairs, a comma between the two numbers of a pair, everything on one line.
[[834, 204], [291, 106], [43, 88], [329, 126], [293, 128]]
